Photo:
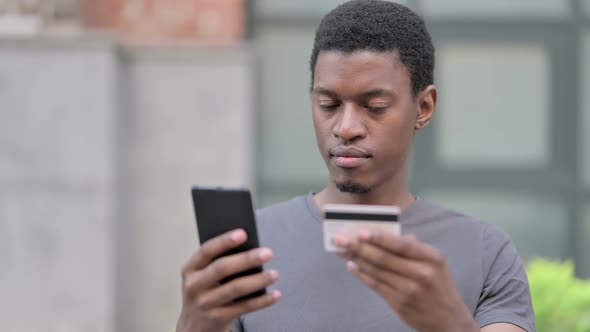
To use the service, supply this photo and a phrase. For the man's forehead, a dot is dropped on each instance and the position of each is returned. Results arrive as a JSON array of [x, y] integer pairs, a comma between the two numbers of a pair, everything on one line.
[[371, 70], [362, 55], [356, 63]]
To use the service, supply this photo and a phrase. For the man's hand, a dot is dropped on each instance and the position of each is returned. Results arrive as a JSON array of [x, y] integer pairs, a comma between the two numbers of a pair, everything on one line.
[[412, 276], [206, 304]]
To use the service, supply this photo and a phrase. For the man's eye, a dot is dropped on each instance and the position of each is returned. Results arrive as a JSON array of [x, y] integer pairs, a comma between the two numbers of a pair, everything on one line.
[[376, 109], [329, 107]]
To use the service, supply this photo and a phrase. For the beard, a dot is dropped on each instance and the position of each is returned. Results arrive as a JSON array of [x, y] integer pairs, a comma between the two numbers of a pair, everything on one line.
[[352, 187]]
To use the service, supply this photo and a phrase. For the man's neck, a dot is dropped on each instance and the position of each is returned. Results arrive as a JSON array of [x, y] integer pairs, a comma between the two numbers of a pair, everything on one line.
[[380, 196]]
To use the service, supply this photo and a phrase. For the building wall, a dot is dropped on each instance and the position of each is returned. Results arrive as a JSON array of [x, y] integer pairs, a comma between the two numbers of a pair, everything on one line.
[[188, 119], [57, 191], [99, 149]]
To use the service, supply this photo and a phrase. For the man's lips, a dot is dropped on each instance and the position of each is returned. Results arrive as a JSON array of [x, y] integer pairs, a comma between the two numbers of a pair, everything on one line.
[[349, 157]]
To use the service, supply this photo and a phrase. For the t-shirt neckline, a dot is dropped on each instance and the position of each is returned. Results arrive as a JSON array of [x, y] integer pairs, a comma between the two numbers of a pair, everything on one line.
[[316, 213]]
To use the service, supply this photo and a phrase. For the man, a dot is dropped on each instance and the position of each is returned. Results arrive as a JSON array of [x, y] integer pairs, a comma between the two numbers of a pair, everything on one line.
[[372, 90]]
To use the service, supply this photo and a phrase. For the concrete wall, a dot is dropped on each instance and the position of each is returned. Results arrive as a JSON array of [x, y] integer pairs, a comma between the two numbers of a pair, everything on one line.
[[188, 120], [98, 149]]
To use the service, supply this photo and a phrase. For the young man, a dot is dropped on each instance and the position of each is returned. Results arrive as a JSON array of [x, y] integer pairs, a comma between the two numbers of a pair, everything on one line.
[[372, 90]]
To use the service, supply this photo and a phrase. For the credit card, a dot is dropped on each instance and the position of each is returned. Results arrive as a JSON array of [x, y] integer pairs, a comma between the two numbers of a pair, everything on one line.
[[349, 219]]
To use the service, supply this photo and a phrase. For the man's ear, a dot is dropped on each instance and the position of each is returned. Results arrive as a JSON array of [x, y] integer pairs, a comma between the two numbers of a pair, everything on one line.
[[426, 106]]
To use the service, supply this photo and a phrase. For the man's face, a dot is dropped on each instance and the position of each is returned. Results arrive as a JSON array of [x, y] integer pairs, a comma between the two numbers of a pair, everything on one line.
[[364, 116]]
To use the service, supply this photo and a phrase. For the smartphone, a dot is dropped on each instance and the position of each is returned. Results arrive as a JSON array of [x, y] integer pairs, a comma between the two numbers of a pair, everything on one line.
[[349, 219], [219, 210]]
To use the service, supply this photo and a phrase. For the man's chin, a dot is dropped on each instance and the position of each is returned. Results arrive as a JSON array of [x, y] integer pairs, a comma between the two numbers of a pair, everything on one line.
[[351, 187]]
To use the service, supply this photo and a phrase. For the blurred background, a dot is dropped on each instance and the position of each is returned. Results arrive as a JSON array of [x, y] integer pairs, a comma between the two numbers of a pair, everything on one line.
[[110, 110]]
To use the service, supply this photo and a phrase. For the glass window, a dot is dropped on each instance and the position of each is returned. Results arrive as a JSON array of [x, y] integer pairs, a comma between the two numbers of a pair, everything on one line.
[[287, 146], [537, 224], [486, 117], [585, 110], [298, 7], [497, 8], [586, 5]]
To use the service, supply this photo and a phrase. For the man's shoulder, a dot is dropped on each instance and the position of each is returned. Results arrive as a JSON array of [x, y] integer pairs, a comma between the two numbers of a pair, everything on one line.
[[426, 211], [430, 213]]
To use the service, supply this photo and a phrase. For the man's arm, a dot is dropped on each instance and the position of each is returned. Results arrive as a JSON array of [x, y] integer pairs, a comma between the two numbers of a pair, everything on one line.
[[502, 327], [505, 297]]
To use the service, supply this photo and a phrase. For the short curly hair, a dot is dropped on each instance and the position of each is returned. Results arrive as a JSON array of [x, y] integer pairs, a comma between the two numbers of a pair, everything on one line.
[[379, 26]]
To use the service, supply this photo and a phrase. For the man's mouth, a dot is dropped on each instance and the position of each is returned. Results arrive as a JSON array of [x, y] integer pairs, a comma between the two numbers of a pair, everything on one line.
[[349, 157]]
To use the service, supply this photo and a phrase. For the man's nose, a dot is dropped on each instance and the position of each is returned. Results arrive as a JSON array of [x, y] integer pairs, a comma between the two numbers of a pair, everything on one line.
[[350, 126]]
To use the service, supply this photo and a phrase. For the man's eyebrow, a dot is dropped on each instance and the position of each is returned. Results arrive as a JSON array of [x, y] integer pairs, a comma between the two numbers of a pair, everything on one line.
[[323, 91], [366, 95], [377, 93]]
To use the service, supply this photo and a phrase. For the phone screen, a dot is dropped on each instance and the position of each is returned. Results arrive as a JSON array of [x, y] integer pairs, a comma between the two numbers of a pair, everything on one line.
[[219, 210]]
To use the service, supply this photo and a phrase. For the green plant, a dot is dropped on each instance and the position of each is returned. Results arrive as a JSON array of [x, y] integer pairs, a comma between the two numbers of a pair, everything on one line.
[[561, 301]]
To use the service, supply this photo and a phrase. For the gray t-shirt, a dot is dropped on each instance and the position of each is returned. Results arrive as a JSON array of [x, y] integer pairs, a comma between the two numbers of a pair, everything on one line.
[[319, 294]]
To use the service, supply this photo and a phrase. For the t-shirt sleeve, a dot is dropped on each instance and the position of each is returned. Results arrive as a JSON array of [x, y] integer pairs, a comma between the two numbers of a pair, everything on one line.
[[236, 326], [505, 297]]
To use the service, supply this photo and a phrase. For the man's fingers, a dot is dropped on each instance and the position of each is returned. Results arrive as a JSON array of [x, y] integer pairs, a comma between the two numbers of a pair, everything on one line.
[[401, 284], [214, 248], [249, 305], [228, 265], [237, 288], [384, 259], [402, 245]]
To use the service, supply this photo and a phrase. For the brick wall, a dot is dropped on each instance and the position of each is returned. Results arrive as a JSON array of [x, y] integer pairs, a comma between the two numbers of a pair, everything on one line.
[[157, 21]]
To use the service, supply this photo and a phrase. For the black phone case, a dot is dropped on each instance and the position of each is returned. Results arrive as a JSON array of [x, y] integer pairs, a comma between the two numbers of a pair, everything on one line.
[[219, 210]]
